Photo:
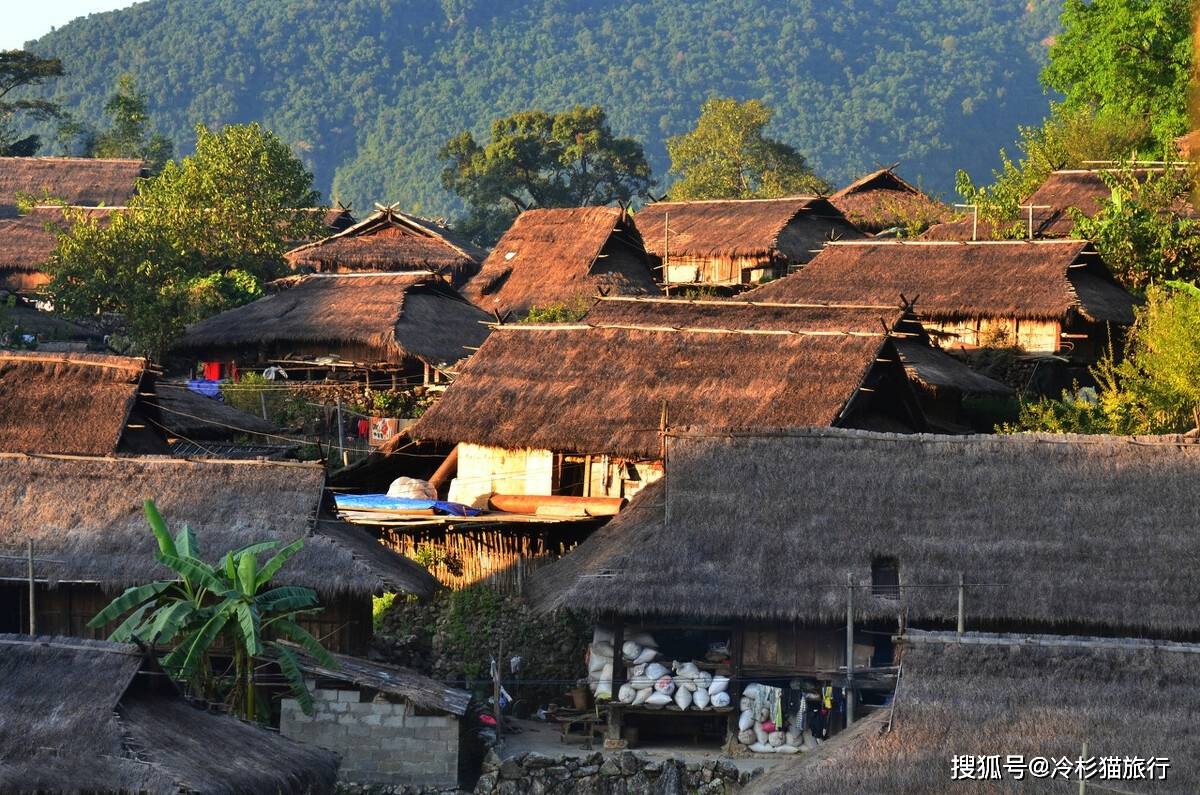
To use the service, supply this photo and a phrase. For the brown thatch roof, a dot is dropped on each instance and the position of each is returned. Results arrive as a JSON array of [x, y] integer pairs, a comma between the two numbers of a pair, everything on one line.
[[50, 329], [1043, 280], [599, 387], [27, 241], [1065, 531], [87, 513], [67, 403], [882, 200], [92, 716], [391, 241], [86, 181], [728, 227], [1029, 696], [394, 315], [551, 256], [189, 415]]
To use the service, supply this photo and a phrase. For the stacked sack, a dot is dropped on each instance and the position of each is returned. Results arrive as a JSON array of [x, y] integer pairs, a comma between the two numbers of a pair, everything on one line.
[[758, 732], [649, 681]]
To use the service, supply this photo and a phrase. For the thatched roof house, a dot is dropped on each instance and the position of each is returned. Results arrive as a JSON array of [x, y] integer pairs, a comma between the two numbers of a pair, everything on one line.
[[1044, 296], [85, 514], [93, 716], [81, 403], [1057, 531], [84, 181], [1027, 696], [881, 200], [27, 241], [382, 321], [738, 241], [189, 415], [561, 256], [390, 241]]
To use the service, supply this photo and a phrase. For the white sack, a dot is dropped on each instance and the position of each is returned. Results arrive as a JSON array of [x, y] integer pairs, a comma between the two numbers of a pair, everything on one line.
[[775, 739], [703, 680], [658, 700], [749, 692], [604, 648], [745, 703], [647, 654], [412, 488], [683, 698], [665, 685], [719, 684], [602, 635], [719, 700], [626, 694], [656, 670], [642, 695], [700, 699], [787, 749], [762, 748], [760, 733], [746, 737], [644, 639], [630, 650], [745, 720]]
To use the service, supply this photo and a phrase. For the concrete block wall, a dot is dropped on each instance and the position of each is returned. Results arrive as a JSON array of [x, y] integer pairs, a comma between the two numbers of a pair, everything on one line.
[[380, 741]]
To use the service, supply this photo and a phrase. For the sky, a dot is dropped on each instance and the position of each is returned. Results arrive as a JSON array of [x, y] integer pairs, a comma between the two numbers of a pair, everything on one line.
[[25, 20]]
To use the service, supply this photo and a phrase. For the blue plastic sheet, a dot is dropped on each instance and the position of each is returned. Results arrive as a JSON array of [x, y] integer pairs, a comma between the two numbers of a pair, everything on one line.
[[369, 502]]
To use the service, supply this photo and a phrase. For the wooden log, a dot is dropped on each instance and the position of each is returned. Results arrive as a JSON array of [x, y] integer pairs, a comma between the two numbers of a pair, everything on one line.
[[446, 470], [530, 503]]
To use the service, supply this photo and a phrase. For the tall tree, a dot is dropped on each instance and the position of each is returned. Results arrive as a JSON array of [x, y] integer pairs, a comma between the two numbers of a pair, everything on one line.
[[729, 156], [539, 159], [21, 69], [1131, 57], [129, 135], [198, 238]]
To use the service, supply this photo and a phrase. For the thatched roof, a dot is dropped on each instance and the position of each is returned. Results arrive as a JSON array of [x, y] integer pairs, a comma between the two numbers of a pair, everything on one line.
[[190, 415], [395, 680], [728, 227], [67, 403], [86, 181], [599, 387], [551, 256], [395, 315], [27, 241], [1031, 696], [391, 241], [1042, 280], [1080, 531], [882, 200], [91, 716], [50, 329], [87, 513]]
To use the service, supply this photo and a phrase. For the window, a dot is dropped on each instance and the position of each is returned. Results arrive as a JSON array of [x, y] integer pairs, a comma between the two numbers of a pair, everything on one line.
[[885, 578]]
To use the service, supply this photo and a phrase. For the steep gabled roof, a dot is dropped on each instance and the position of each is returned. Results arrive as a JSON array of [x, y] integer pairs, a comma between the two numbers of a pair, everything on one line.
[[396, 315], [87, 181], [882, 200], [391, 241], [86, 514], [27, 241], [1066, 531], [93, 716], [727, 227], [1043, 280], [599, 386], [557, 256]]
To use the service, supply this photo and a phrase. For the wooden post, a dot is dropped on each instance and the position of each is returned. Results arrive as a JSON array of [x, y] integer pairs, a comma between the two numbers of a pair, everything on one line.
[[262, 398], [667, 254], [1082, 780], [32, 590], [849, 651], [496, 693], [618, 677], [341, 434], [961, 604]]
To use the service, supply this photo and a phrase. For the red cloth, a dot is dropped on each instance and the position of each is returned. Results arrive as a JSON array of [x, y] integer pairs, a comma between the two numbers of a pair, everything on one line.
[[212, 371], [364, 429]]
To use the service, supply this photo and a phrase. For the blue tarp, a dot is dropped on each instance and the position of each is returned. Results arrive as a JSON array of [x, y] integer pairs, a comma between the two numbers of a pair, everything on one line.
[[205, 387], [369, 502]]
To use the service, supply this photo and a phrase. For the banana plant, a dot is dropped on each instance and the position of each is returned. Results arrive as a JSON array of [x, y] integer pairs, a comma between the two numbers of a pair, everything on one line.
[[228, 607]]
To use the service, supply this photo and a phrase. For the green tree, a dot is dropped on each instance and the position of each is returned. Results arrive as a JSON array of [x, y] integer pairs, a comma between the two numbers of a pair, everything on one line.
[[229, 608], [539, 159], [198, 238], [129, 135], [19, 70], [728, 156], [1130, 57]]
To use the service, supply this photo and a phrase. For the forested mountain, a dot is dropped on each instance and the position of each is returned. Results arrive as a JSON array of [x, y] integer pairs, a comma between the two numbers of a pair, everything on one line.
[[368, 90]]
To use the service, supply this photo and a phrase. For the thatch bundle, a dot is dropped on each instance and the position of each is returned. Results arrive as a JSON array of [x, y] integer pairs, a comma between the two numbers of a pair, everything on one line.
[[1046, 280], [90, 716], [393, 242], [882, 200], [601, 388], [87, 514], [390, 316], [66, 403], [562, 255], [1026, 696], [1021, 517], [730, 227], [85, 181]]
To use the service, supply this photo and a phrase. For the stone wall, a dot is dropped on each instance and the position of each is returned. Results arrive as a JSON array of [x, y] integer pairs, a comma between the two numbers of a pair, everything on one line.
[[381, 741], [624, 773]]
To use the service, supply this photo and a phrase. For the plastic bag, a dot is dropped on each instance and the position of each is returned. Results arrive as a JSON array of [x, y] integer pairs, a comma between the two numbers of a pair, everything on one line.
[[775, 739], [630, 650], [656, 670], [603, 648], [700, 698], [719, 684], [718, 700], [642, 695], [626, 693], [750, 691], [683, 698], [665, 685], [703, 680], [644, 639], [746, 737], [658, 700], [745, 721], [762, 748], [787, 749], [647, 655]]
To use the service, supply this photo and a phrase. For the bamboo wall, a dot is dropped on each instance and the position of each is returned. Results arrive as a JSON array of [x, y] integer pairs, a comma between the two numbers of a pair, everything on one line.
[[461, 559]]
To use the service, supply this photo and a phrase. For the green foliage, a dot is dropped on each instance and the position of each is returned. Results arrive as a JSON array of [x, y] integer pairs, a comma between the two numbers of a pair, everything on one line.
[[198, 238], [1127, 57], [1066, 139], [728, 156], [1155, 389], [367, 94], [1139, 231], [20, 70], [380, 605], [558, 312], [538, 159], [129, 134], [230, 606]]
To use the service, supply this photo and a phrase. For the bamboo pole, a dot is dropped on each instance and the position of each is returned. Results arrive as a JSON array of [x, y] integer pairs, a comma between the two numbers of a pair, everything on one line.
[[32, 588], [849, 652], [961, 604]]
